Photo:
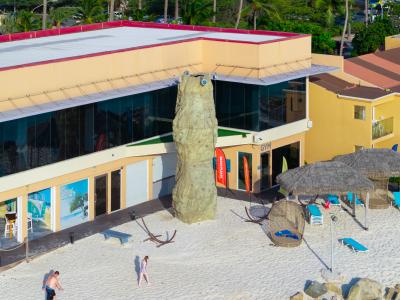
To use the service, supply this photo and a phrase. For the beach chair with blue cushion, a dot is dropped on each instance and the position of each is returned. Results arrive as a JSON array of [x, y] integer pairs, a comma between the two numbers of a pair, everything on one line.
[[353, 244], [315, 216], [353, 197], [334, 200], [396, 199]]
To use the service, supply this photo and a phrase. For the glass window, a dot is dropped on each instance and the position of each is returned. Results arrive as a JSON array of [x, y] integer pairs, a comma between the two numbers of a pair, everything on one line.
[[58, 136], [100, 126], [43, 145], [359, 112], [241, 180], [358, 148], [72, 132], [86, 140]]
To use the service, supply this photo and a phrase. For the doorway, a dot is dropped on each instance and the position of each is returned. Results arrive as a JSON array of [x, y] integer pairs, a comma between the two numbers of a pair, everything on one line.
[[264, 171], [115, 190], [100, 195]]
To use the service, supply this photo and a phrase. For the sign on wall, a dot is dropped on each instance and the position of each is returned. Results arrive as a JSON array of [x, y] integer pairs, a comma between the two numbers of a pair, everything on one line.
[[221, 166], [74, 203]]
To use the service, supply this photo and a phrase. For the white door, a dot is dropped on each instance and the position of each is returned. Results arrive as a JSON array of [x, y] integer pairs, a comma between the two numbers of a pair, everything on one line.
[[136, 183], [164, 170]]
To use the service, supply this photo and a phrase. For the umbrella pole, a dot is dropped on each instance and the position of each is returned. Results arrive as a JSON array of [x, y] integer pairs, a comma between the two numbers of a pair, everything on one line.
[[354, 204], [366, 211]]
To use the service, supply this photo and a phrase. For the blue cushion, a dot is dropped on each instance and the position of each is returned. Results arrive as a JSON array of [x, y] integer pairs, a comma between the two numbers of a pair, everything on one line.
[[287, 233], [396, 199], [333, 199], [314, 210], [354, 244]]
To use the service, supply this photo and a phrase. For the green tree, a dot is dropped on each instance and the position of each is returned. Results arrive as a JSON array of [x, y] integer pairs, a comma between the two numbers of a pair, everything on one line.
[[9, 24], [27, 21], [91, 11], [371, 38], [60, 14], [196, 12], [257, 8]]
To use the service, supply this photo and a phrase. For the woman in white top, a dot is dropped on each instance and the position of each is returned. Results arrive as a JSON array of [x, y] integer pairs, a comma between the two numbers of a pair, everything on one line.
[[143, 270]]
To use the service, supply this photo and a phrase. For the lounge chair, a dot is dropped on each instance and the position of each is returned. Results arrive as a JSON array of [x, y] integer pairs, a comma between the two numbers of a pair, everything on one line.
[[350, 198], [353, 244], [334, 200], [315, 216], [396, 199]]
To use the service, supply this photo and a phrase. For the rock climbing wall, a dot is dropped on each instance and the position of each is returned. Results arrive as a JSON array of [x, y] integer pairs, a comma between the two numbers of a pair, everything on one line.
[[195, 134]]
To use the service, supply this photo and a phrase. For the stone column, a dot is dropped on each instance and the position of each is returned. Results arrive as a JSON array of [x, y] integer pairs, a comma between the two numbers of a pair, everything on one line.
[[195, 134]]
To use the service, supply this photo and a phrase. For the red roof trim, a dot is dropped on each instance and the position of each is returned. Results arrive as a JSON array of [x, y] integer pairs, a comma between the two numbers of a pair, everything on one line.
[[114, 24], [99, 26]]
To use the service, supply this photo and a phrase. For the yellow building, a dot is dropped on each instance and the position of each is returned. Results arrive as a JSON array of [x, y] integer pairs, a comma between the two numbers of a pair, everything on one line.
[[86, 114], [355, 107]]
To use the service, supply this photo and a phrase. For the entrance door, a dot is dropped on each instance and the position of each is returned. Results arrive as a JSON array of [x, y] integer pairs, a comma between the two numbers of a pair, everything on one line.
[[264, 171], [100, 195], [115, 190]]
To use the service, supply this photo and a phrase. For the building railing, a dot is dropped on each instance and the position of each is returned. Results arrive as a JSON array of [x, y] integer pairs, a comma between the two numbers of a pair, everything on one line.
[[382, 128]]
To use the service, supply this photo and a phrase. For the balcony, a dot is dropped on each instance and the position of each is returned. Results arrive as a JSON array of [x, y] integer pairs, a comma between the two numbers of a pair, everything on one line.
[[382, 128]]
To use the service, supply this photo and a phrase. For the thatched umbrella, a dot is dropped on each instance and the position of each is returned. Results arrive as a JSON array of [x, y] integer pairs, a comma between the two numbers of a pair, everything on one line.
[[330, 177], [373, 163], [378, 165]]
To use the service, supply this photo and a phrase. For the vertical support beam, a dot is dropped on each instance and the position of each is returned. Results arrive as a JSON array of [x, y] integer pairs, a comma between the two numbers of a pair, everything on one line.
[[256, 171], [91, 197], [150, 179], [354, 204], [20, 237], [22, 215], [57, 210], [123, 186]]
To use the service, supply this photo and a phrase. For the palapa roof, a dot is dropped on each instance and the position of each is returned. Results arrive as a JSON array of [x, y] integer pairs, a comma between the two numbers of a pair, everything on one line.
[[331, 177], [373, 163]]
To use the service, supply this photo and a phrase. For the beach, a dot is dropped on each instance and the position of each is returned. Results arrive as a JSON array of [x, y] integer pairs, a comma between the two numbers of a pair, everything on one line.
[[226, 258]]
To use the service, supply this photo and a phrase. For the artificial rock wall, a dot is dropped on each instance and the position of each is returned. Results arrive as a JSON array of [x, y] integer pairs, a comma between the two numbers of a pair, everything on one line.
[[195, 134]]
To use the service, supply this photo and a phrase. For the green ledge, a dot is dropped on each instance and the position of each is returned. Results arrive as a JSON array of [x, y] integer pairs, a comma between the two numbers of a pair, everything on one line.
[[168, 138]]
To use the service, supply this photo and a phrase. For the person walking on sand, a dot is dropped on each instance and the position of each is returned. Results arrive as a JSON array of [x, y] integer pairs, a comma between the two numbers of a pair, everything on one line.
[[51, 284], [143, 271]]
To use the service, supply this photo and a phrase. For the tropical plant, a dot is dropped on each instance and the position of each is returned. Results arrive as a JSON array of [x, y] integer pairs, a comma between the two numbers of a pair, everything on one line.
[[195, 12], [61, 14], [9, 24], [256, 8], [90, 11], [371, 38], [239, 14], [27, 21]]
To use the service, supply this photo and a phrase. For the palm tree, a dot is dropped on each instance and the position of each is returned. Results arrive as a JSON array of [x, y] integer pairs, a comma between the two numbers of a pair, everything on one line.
[[366, 12], [9, 24], [44, 15], [111, 11], [346, 20], [195, 12], [26, 21], [90, 10], [140, 4], [214, 11], [165, 11], [239, 15], [60, 14], [257, 8], [176, 9]]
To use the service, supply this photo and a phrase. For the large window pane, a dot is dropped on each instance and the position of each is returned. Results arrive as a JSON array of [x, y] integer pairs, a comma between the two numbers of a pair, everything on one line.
[[58, 136], [114, 123], [126, 120], [138, 117], [15, 145], [86, 144], [100, 126], [72, 132], [43, 146]]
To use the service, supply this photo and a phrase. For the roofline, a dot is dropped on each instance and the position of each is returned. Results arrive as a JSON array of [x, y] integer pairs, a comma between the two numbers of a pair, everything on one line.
[[366, 99], [124, 23]]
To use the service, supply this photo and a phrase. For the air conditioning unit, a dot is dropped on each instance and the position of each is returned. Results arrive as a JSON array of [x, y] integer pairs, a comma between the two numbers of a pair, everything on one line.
[[257, 139]]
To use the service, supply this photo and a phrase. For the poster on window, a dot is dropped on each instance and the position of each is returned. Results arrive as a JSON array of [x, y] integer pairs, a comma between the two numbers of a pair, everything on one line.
[[39, 210], [8, 206], [74, 203]]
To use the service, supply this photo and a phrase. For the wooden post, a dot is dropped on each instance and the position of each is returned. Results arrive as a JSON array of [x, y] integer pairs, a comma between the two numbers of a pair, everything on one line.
[[366, 211]]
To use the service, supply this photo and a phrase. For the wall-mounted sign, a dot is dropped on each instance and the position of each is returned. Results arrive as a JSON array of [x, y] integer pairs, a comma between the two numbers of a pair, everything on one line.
[[265, 147]]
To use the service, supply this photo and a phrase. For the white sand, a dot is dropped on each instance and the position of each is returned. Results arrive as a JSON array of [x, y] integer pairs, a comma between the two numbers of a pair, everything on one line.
[[222, 259]]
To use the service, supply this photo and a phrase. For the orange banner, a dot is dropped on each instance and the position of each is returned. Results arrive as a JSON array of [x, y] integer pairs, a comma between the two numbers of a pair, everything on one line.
[[246, 174]]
